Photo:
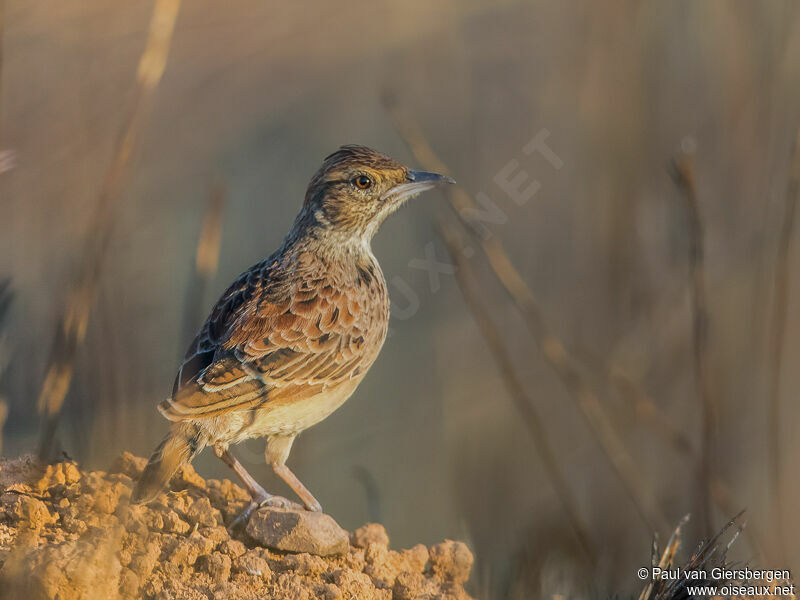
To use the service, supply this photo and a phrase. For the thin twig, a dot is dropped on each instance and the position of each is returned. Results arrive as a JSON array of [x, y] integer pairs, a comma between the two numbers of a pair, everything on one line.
[[206, 262], [709, 555], [553, 350], [683, 174], [667, 557], [372, 492], [7, 157], [514, 386], [646, 411], [3, 417], [777, 335], [71, 329], [5, 305], [645, 406], [2, 31]]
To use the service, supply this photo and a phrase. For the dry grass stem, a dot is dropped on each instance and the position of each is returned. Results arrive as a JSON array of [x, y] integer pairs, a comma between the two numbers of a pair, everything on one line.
[[667, 558], [710, 554], [777, 334], [3, 418], [2, 30], [206, 262], [515, 387], [553, 350], [5, 305], [71, 329], [683, 174]]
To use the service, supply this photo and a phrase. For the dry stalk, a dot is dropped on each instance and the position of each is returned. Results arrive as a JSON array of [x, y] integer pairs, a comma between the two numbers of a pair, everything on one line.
[[5, 305], [777, 334], [553, 350], [648, 415], [7, 157], [2, 30], [3, 417], [712, 553], [515, 388], [667, 558], [71, 329], [683, 174], [206, 262]]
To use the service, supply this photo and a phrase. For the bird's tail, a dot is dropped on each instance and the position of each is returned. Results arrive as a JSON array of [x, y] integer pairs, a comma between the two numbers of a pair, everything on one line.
[[180, 446]]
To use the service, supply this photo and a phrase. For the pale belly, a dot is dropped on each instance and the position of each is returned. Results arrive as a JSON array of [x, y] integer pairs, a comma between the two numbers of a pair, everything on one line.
[[289, 418]]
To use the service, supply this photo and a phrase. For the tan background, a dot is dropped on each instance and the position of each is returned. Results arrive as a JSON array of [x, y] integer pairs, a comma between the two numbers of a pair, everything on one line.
[[256, 93]]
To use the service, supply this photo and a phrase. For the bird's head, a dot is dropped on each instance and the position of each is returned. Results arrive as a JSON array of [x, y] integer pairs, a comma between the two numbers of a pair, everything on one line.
[[356, 188]]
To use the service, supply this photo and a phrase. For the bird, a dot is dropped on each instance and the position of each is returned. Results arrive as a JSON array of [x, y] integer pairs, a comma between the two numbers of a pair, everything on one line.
[[293, 336]]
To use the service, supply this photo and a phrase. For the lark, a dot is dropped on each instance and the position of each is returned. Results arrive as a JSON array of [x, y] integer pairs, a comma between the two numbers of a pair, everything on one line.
[[290, 340]]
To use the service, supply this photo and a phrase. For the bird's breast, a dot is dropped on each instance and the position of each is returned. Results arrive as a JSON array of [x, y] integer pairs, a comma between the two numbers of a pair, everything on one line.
[[303, 409]]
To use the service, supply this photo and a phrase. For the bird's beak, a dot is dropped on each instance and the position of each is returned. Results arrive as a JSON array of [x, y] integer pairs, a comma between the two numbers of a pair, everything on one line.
[[433, 178], [418, 182]]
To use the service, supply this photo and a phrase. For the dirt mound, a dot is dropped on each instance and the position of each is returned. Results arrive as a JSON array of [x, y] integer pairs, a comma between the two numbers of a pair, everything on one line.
[[68, 534]]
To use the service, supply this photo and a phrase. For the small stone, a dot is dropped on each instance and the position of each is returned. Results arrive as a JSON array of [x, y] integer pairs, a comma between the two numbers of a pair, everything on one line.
[[218, 566], [85, 502], [252, 564], [305, 564], [31, 513], [153, 520], [371, 533], [410, 586], [216, 534], [417, 557], [71, 473], [174, 524], [128, 584], [130, 465], [74, 525], [358, 585], [179, 501], [52, 476], [298, 531], [107, 498], [144, 563], [188, 550], [451, 561], [203, 514], [232, 548], [187, 477]]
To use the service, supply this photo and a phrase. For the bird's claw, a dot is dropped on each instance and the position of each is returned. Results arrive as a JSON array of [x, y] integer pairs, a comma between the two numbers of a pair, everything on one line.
[[256, 503], [281, 502], [243, 516]]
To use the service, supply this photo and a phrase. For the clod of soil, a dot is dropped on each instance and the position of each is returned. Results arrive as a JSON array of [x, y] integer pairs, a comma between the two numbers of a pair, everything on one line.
[[69, 534]]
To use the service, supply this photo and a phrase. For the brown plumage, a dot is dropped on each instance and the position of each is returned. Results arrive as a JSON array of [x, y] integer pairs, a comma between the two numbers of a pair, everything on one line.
[[293, 336]]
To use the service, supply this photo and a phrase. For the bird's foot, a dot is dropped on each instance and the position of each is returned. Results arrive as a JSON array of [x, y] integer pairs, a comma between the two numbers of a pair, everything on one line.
[[264, 499], [281, 502], [312, 504]]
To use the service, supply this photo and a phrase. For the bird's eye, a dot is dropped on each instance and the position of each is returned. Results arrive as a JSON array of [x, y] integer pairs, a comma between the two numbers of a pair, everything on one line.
[[362, 182]]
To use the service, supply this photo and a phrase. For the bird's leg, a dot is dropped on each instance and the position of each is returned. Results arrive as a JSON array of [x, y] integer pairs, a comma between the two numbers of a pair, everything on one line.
[[259, 496], [297, 486], [278, 448], [257, 493]]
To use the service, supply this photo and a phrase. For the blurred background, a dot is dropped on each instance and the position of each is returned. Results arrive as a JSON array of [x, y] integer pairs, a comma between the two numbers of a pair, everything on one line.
[[657, 242]]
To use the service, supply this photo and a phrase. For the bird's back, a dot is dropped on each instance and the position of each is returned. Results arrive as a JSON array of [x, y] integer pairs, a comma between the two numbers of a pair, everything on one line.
[[291, 337]]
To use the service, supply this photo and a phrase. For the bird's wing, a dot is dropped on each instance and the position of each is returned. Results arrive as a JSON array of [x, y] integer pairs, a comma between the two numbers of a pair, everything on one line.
[[266, 340]]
